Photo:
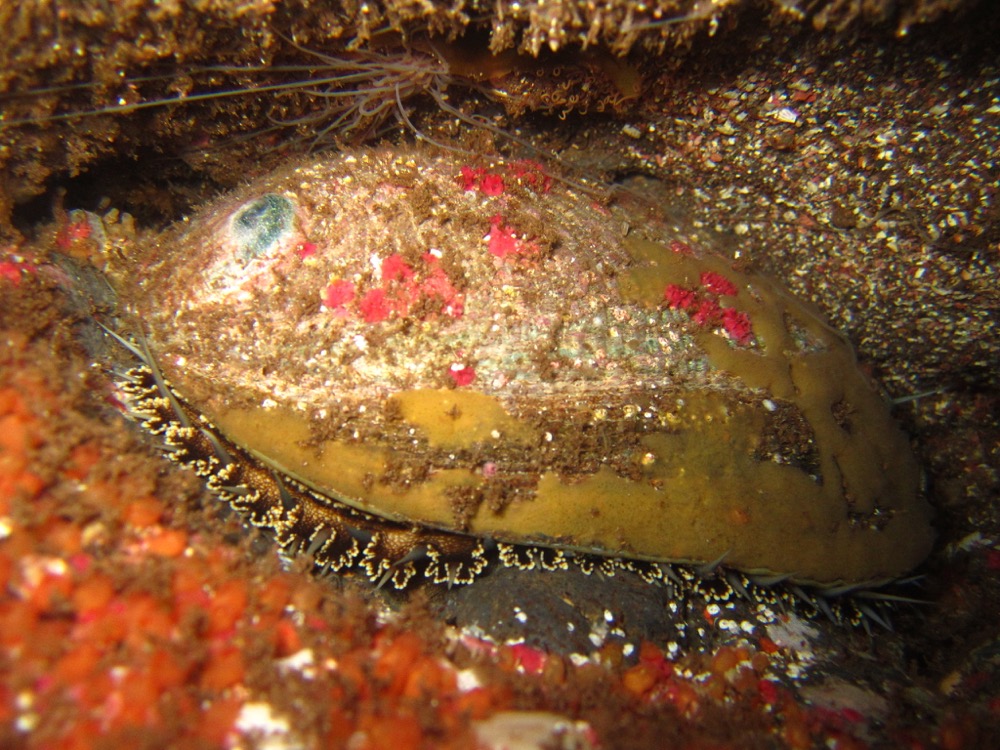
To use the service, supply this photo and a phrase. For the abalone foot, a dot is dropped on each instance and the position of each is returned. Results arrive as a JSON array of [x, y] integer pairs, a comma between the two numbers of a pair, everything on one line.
[[562, 611], [570, 611]]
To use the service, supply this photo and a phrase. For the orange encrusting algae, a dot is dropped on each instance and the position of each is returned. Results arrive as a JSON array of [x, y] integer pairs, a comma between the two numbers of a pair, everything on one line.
[[114, 620], [113, 636]]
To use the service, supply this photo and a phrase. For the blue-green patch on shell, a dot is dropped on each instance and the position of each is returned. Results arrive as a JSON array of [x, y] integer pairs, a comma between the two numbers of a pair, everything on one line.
[[259, 226]]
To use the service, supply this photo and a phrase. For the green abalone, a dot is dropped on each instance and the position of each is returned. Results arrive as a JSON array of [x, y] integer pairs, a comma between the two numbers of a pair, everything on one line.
[[431, 357]]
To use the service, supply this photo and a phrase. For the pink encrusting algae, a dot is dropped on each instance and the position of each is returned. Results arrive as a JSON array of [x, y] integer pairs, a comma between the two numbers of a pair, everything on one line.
[[703, 303], [401, 290], [504, 242]]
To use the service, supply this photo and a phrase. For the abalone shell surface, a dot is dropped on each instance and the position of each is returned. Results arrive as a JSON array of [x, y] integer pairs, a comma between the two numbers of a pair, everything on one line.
[[473, 347]]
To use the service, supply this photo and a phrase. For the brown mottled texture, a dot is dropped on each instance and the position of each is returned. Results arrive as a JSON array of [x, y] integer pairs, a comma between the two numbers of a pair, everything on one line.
[[82, 82]]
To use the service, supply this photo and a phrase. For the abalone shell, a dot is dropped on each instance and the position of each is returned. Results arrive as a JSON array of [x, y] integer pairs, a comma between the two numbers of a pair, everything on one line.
[[472, 347]]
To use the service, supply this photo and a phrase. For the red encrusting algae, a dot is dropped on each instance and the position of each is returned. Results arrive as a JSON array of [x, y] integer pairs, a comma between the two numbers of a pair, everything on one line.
[[306, 250], [402, 290], [72, 232], [11, 269], [526, 172], [504, 242], [338, 294], [718, 284], [703, 304], [462, 375]]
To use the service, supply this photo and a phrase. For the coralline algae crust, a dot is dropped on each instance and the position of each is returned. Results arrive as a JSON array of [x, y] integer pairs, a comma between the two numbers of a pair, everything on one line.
[[472, 347]]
